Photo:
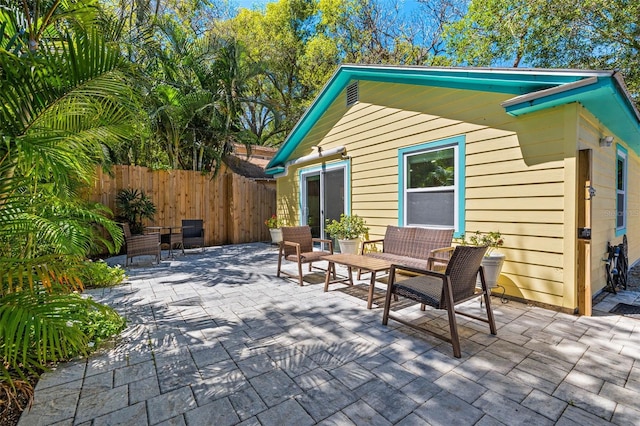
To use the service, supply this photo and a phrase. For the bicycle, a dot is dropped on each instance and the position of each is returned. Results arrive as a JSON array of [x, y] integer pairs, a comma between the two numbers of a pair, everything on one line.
[[617, 265], [623, 263], [612, 273]]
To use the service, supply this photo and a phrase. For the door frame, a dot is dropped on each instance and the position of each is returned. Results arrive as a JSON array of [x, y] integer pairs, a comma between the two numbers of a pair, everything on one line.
[[583, 209], [320, 170]]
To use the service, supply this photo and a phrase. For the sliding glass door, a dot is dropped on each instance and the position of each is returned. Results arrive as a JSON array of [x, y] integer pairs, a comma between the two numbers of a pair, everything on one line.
[[323, 196]]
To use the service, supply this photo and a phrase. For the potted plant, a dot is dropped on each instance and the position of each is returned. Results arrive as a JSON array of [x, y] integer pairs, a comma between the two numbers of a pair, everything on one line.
[[274, 225], [347, 231], [493, 260]]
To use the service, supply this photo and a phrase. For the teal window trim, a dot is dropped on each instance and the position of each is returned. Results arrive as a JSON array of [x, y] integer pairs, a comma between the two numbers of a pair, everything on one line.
[[622, 154], [460, 143], [320, 169]]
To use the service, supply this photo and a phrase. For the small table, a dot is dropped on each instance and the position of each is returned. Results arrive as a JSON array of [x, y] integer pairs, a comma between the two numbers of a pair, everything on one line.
[[357, 261], [173, 230]]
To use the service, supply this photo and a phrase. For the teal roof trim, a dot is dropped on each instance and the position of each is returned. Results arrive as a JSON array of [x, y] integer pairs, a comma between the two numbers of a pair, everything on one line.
[[606, 100]]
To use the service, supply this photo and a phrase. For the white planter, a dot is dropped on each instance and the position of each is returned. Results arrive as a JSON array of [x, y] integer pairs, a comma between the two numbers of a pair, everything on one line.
[[492, 266], [276, 235], [349, 246]]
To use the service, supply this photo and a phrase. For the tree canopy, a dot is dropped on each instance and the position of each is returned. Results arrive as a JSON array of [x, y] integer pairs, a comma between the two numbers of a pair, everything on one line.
[[210, 75]]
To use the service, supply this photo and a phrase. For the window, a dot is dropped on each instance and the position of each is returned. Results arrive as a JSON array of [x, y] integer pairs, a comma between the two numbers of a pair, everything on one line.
[[432, 184], [621, 190]]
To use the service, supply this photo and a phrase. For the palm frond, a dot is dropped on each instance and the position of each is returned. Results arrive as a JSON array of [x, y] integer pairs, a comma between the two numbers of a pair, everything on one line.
[[41, 327]]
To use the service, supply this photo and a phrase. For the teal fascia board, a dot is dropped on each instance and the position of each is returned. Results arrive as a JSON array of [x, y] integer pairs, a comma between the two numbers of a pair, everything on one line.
[[515, 82], [603, 99], [275, 170], [329, 93]]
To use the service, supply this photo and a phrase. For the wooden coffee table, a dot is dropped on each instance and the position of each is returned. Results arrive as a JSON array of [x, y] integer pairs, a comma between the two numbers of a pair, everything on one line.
[[356, 261]]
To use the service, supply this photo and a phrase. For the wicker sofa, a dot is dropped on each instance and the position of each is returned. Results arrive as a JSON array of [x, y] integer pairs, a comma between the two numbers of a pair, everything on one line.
[[412, 246]]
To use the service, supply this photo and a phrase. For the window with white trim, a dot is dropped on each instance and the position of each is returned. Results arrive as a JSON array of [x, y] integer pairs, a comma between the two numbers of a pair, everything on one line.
[[621, 189], [430, 197]]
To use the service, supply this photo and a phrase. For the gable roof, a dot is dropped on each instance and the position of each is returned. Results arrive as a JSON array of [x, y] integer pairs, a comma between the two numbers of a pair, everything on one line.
[[601, 92]]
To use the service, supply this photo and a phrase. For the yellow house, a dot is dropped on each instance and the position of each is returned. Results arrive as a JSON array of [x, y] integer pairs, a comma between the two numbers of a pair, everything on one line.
[[546, 157]]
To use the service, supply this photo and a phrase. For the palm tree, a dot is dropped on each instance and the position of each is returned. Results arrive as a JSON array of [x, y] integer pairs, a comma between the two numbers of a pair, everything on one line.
[[64, 93]]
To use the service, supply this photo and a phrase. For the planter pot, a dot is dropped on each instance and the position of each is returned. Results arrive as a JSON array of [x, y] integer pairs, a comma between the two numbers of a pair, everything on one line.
[[276, 235], [349, 246], [492, 265]]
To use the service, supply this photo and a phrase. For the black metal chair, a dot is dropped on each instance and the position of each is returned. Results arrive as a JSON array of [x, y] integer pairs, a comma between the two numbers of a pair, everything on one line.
[[443, 291], [192, 233]]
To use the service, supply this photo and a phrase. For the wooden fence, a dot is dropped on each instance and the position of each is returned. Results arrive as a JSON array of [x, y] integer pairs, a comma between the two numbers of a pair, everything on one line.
[[232, 207]]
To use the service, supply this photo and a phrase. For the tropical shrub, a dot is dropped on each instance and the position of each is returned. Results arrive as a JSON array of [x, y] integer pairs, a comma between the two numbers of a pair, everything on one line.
[[98, 274], [41, 327], [133, 206], [65, 94]]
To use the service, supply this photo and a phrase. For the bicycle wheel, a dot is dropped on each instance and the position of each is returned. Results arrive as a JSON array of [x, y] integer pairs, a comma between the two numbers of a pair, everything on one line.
[[622, 264], [608, 270]]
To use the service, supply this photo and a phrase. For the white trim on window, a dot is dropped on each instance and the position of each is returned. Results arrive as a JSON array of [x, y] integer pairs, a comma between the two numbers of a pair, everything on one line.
[[621, 189], [457, 189]]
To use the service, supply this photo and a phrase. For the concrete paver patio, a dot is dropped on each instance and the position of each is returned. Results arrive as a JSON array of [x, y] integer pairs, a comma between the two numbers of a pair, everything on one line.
[[215, 338]]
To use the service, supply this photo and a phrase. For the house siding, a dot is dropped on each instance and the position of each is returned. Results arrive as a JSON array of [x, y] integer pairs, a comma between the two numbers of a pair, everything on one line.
[[603, 210], [520, 174]]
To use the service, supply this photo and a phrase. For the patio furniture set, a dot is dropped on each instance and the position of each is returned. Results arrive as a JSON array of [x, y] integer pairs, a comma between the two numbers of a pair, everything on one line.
[[189, 234], [422, 266]]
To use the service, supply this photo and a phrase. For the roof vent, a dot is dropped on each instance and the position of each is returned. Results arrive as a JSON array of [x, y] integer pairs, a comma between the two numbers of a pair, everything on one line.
[[352, 93]]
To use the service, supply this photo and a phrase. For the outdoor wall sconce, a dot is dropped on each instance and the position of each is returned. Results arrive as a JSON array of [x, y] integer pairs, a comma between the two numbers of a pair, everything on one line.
[[606, 141]]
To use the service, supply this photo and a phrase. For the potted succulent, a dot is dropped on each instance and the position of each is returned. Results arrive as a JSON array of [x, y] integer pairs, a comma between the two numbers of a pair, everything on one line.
[[348, 231], [274, 225], [493, 260]]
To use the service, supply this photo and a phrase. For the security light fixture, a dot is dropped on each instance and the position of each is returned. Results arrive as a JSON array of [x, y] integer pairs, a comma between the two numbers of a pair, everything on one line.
[[606, 141]]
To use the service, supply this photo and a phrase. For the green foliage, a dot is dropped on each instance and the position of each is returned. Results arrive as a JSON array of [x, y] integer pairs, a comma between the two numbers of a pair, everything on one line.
[[99, 274], [508, 32], [65, 94], [100, 325], [347, 228], [39, 327], [273, 222], [133, 206], [592, 34], [492, 240]]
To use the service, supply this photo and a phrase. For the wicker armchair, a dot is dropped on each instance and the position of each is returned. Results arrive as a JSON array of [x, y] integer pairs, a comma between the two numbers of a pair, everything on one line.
[[192, 233], [297, 246], [140, 245], [443, 291]]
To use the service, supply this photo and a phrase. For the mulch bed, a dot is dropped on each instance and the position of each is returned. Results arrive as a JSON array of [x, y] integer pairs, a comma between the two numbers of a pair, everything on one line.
[[12, 404]]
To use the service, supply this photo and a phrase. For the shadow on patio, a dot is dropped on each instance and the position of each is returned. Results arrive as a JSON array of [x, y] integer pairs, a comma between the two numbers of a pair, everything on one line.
[[216, 338]]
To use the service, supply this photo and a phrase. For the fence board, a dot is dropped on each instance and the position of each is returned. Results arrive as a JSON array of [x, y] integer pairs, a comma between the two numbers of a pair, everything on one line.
[[232, 207]]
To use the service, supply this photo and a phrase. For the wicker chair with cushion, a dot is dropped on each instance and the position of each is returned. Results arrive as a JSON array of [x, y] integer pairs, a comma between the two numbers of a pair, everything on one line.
[[192, 233], [140, 245], [297, 246], [443, 290]]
